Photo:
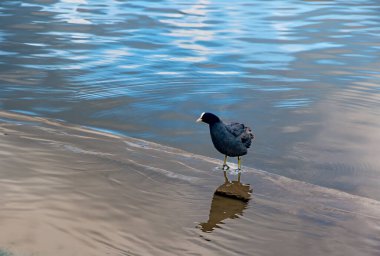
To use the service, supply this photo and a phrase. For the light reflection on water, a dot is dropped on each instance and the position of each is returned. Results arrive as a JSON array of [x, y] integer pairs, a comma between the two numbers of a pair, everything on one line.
[[304, 74]]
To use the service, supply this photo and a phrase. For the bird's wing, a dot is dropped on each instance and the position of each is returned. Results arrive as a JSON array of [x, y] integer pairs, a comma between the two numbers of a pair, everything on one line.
[[241, 131], [235, 128]]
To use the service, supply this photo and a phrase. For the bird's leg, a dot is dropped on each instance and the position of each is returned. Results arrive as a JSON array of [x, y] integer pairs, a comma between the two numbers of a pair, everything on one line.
[[239, 164], [225, 163]]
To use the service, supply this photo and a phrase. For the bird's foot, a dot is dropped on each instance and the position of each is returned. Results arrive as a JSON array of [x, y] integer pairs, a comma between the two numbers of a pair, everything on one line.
[[225, 167]]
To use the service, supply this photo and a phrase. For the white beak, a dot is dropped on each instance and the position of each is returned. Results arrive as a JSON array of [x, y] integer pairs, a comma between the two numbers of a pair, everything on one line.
[[200, 118]]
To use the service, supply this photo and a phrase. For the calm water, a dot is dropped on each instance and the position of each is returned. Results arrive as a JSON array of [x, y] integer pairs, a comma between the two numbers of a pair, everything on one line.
[[305, 75]]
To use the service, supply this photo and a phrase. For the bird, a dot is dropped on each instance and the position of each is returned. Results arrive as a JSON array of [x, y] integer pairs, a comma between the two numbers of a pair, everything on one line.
[[232, 140]]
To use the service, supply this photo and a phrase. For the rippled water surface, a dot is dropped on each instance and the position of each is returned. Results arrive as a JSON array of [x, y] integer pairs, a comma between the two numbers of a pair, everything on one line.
[[305, 75]]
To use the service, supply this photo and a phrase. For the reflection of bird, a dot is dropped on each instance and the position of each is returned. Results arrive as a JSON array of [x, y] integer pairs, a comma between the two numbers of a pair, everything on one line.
[[234, 189], [229, 139], [229, 201], [222, 208]]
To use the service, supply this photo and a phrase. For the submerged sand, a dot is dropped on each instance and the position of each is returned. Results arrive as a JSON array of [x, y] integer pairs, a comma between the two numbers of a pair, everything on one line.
[[69, 190]]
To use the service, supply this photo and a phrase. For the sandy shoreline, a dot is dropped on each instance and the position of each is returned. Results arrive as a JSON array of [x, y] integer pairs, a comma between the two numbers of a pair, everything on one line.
[[69, 190]]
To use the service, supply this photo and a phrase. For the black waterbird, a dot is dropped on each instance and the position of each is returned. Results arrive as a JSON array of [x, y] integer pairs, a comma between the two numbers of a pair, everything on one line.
[[229, 139]]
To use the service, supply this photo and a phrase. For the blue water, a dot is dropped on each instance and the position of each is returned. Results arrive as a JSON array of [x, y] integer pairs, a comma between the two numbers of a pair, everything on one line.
[[305, 75]]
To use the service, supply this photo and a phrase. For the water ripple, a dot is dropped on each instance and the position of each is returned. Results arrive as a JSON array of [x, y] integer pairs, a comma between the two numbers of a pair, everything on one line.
[[296, 71]]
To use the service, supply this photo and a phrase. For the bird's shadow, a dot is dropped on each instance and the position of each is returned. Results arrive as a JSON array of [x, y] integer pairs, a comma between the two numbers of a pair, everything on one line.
[[229, 201]]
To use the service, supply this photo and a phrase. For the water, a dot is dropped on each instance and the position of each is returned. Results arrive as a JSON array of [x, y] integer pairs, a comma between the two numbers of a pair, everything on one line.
[[303, 74], [76, 191]]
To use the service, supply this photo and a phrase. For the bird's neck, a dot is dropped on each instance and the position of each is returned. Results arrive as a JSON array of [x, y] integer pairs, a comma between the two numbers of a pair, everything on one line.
[[215, 123]]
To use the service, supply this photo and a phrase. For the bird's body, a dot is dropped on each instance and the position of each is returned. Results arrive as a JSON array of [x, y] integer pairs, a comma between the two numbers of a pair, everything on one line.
[[232, 139], [227, 142]]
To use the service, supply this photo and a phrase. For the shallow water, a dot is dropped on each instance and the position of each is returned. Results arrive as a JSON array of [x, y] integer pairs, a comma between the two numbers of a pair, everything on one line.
[[304, 74], [68, 190]]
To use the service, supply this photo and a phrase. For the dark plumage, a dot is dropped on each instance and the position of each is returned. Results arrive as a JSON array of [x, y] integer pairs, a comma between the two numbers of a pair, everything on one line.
[[229, 139]]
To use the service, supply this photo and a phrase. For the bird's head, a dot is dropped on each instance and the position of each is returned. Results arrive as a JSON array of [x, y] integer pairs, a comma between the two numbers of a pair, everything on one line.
[[208, 118]]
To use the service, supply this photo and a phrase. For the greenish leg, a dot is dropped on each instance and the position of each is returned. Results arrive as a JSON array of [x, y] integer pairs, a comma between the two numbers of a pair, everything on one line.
[[225, 163]]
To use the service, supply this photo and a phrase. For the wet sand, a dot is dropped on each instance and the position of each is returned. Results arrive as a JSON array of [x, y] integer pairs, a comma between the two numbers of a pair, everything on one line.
[[69, 190]]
